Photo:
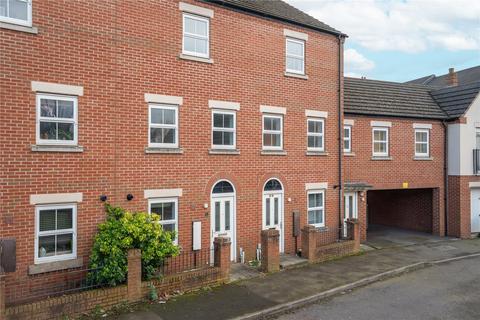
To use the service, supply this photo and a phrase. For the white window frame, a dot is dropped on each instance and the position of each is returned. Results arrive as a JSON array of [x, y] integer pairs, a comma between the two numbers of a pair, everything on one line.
[[234, 129], [198, 18], [315, 134], [27, 23], [287, 55], [74, 120], [162, 222], [164, 126], [322, 207], [264, 147], [381, 154], [38, 233], [424, 155], [347, 138]]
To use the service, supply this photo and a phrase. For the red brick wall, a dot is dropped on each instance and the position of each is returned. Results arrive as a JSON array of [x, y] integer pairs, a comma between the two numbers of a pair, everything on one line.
[[391, 174], [408, 209], [120, 50], [459, 212]]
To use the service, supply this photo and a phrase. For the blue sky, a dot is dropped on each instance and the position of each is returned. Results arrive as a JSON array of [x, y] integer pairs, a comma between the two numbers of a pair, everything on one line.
[[400, 40]]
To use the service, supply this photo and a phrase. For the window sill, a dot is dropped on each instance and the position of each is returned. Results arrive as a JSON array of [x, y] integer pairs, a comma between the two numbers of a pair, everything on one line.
[[378, 158], [273, 153], [193, 58], [17, 27], [349, 154], [52, 148], [224, 151], [423, 158], [55, 266], [294, 75], [316, 153], [163, 150]]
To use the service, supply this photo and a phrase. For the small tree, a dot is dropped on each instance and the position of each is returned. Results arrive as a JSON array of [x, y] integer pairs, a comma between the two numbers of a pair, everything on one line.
[[124, 230]]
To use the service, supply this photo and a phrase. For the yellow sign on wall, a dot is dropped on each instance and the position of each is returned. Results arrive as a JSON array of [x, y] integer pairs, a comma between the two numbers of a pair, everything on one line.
[[405, 185]]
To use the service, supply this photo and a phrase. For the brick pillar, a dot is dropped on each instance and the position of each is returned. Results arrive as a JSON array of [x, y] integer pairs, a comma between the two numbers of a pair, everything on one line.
[[222, 247], [134, 281], [354, 227], [2, 297], [309, 242], [270, 250]]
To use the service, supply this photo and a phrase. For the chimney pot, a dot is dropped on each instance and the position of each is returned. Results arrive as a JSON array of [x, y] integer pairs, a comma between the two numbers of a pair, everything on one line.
[[451, 70]]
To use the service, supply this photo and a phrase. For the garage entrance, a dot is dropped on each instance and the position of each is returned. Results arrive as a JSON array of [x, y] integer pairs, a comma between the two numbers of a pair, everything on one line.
[[410, 209]]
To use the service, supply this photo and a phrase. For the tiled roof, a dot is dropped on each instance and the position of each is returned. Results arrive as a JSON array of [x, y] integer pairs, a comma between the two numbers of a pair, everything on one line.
[[278, 9], [456, 100], [464, 77], [382, 98]]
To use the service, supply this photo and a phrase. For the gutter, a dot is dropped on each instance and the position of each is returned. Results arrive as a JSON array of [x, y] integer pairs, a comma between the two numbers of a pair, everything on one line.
[[445, 173], [341, 40]]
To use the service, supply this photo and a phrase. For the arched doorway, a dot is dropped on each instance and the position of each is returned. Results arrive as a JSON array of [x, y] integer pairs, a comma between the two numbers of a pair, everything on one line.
[[272, 208], [223, 214]]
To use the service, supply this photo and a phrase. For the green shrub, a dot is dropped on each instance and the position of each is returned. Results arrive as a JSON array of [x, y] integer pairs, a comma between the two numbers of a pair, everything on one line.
[[124, 230]]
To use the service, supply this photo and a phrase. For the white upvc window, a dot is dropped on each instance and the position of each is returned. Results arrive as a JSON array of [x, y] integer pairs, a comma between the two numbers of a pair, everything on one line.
[[55, 232], [422, 142], [347, 139], [163, 126], [16, 12], [272, 132], [316, 208], [380, 142], [167, 209], [315, 136], [295, 56], [223, 129], [196, 36], [57, 119]]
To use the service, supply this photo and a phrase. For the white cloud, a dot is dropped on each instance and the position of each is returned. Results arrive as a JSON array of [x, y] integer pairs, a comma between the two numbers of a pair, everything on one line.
[[409, 26], [355, 62]]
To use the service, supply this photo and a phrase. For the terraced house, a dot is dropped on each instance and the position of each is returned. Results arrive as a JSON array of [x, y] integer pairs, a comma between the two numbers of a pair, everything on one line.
[[219, 112], [225, 117]]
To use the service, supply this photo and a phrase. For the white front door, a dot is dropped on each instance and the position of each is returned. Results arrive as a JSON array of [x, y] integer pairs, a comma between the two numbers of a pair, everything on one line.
[[273, 213], [350, 209], [222, 220], [475, 210]]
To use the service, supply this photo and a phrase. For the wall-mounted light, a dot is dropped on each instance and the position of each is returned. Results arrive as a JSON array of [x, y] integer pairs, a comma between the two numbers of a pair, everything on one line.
[[129, 196], [103, 198]]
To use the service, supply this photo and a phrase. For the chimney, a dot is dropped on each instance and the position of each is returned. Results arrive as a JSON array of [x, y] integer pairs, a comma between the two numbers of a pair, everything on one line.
[[452, 79]]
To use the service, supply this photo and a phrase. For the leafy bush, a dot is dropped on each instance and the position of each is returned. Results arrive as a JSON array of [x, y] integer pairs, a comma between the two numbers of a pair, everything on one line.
[[124, 230]]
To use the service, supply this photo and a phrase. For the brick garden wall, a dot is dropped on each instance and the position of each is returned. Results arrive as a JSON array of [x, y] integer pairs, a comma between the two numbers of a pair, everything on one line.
[[402, 167], [118, 51]]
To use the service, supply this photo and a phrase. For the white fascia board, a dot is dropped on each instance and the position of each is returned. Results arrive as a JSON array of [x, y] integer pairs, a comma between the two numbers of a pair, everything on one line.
[[57, 88], [190, 8], [316, 186], [422, 126], [381, 124], [162, 193], [272, 109], [53, 198], [316, 113], [216, 104], [158, 98], [349, 122], [295, 34]]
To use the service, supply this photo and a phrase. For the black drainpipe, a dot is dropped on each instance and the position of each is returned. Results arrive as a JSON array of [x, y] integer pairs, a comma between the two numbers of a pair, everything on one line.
[[445, 173], [341, 39]]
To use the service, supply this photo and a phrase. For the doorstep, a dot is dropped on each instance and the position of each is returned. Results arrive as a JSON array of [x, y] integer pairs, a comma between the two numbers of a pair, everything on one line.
[[289, 261]]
